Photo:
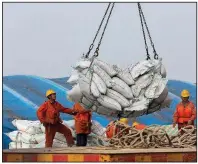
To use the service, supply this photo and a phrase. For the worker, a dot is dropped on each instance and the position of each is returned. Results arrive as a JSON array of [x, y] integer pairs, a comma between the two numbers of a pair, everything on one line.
[[185, 112], [49, 115], [82, 124], [138, 126], [113, 129]]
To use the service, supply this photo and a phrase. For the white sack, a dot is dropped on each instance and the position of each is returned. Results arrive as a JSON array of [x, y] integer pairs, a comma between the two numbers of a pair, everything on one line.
[[136, 90], [84, 84], [94, 140], [82, 64], [108, 102], [56, 144], [87, 103], [31, 127], [75, 93], [97, 128], [118, 97], [20, 145], [14, 136], [126, 77], [107, 112], [159, 67], [69, 123], [99, 83], [73, 79], [141, 68], [101, 73], [61, 137], [121, 87], [144, 80], [156, 87], [94, 90], [106, 67], [19, 136], [138, 105], [160, 99]]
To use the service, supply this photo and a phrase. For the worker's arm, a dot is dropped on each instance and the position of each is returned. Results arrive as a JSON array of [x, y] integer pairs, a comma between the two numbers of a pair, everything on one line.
[[193, 117], [85, 111], [66, 110], [41, 112]]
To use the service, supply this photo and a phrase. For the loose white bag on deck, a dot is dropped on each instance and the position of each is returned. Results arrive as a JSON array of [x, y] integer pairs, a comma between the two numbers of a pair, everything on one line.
[[20, 145], [31, 127]]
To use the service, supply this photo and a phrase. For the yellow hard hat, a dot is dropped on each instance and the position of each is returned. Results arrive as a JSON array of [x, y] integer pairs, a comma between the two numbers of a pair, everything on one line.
[[49, 92], [185, 93], [124, 120], [135, 123]]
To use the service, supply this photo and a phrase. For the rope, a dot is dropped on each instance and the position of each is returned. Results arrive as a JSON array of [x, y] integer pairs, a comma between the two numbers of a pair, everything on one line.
[[92, 45], [153, 136]]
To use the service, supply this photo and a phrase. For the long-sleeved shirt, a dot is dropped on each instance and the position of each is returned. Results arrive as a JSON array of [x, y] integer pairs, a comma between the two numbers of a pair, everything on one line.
[[50, 112]]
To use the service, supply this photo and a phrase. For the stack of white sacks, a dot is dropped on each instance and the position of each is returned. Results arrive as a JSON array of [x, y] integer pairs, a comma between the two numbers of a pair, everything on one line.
[[109, 90], [31, 134]]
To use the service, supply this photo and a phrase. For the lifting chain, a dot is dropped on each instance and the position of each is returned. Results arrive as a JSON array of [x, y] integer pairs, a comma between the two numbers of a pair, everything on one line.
[[92, 45], [146, 46], [143, 20], [96, 53]]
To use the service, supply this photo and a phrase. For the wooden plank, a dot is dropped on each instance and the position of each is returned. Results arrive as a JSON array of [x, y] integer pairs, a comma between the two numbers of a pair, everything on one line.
[[98, 150]]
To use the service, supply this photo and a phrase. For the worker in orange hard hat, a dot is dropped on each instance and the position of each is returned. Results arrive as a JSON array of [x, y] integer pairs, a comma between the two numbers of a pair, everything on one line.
[[113, 129], [49, 115], [138, 126], [185, 112]]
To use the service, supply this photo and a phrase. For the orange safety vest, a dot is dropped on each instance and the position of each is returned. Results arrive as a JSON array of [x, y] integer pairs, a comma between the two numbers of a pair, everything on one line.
[[111, 130], [184, 114], [82, 120]]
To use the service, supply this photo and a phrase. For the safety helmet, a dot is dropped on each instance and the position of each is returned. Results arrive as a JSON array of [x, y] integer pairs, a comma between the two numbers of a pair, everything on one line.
[[124, 120], [135, 123], [185, 93], [49, 92]]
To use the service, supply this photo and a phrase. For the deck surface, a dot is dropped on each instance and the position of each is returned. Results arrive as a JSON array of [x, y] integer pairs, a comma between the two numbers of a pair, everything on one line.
[[98, 150]]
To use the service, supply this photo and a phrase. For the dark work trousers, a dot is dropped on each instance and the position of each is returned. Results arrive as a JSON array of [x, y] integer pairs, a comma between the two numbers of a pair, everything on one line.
[[81, 139]]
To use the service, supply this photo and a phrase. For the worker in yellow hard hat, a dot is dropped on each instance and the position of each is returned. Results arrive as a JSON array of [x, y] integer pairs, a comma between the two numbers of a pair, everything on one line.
[[124, 121], [49, 115], [113, 128], [138, 126], [185, 112]]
